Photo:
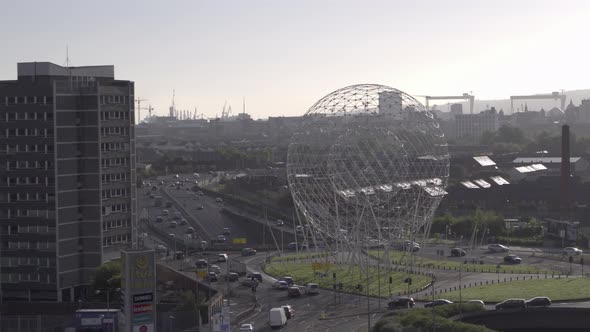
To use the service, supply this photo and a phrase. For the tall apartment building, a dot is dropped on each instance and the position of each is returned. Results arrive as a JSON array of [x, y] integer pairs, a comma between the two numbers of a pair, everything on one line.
[[67, 178]]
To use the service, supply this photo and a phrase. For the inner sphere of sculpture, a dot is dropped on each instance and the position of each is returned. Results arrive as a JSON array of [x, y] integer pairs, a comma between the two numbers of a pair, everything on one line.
[[363, 162]]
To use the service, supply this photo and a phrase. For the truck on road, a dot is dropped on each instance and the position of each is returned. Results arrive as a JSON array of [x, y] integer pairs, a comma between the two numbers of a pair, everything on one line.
[[237, 267], [278, 318]]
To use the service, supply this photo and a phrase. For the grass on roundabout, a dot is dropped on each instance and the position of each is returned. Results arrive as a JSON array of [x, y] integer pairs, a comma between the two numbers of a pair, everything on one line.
[[557, 289], [350, 277], [445, 263]]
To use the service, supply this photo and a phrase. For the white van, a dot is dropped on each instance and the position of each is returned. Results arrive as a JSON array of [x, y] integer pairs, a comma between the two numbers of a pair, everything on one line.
[[278, 318]]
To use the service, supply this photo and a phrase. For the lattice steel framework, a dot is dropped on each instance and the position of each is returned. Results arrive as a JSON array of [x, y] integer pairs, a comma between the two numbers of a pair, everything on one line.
[[368, 166]]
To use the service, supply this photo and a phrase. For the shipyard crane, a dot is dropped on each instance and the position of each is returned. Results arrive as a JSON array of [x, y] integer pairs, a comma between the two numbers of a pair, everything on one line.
[[465, 96], [553, 95], [138, 101], [150, 109]]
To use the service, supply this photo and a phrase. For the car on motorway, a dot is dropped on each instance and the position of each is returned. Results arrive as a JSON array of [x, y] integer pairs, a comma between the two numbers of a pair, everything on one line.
[[152, 196], [512, 259], [159, 219], [299, 229], [246, 328], [200, 193], [177, 215], [478, 302], [248, 252], [218, 200], [436, 303], [190, 230], [511, 304], [200, 263], [255, 276], [401, 302], [289, 312], [539, 301], [277, 318], [168, 204], [294, 291], [226, 231], [179, 255], [231, 277], [173, 224], [288, 280], [200, 207], [165, 213], [279, 223], [571, 251], [222, 258], [221, 238], [458, 252], [212, 277], [204, 244], [496, 247], [161, 249], [250, 282], [183, 221], [215, 268], [280, 284]]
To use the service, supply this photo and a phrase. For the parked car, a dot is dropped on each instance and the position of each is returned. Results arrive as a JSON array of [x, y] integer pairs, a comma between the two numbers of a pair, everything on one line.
[[294, 291], [281, 285], [289, 312], [539, 301], [201, 263], [255, 276], [512, 259], [246, 328], [222, 258], [436, 303], [277, 318], [312, 289], [402, 301], [478, 302], [226, 231], [571, 251], [496, 247], [288, 280], [511, 304], [248, 252], [458, 252]]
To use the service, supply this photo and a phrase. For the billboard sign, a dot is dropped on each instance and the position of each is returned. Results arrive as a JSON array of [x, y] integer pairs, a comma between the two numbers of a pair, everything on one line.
[[139, 288]]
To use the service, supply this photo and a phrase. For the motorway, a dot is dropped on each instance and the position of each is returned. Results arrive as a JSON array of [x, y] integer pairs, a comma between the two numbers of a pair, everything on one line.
[[343, 312]]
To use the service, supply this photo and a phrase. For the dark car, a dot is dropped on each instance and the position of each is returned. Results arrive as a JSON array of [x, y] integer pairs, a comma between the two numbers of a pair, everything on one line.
[[512, 259], [436, 303], [294, 291], [248, 252], [511, 304], [458, 252], [250, 283], [288, 280], [403, 302], [232, 276], [255, 276], [212, 277], [201, 263], [540, 301]]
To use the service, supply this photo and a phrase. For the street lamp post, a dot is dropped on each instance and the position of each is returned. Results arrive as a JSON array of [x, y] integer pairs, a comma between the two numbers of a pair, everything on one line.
[[171, 322]]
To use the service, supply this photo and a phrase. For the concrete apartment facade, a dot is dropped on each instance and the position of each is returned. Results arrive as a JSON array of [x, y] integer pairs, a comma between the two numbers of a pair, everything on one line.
[[67, 178]]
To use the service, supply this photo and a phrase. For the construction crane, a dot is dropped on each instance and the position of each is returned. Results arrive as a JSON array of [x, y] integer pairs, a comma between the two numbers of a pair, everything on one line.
[[465, 96], [150, 109], [553, 95], [138, 101]]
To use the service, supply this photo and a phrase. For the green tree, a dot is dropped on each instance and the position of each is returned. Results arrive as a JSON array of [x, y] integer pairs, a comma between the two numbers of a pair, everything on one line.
[[108, 276]]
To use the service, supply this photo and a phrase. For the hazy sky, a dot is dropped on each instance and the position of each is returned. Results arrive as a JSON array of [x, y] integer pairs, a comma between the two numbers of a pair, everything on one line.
[[284, 55]]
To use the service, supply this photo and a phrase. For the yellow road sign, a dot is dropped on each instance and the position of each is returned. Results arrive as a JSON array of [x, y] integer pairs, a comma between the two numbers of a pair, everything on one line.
[[239, 240], [202, 274]]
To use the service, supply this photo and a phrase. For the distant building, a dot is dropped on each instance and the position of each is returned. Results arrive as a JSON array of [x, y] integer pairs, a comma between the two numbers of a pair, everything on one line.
[[472, 126], [67, 177], [584, 111], [456, 109]]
